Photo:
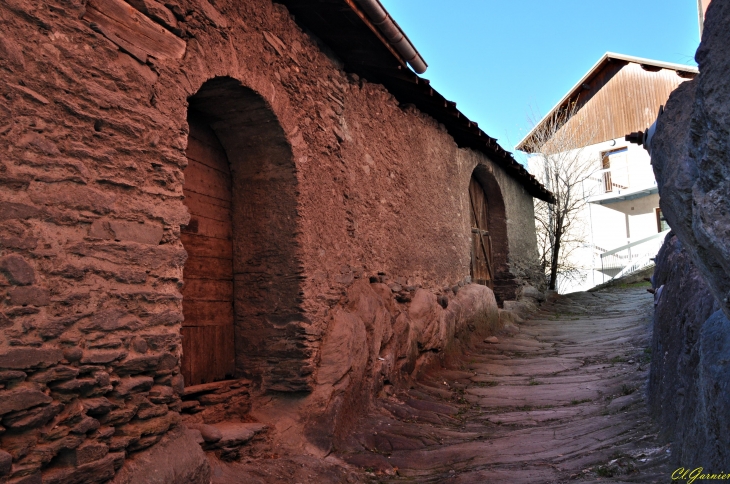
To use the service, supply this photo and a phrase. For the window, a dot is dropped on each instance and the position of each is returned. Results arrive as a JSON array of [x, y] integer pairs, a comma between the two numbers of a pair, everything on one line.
[[616, 164]]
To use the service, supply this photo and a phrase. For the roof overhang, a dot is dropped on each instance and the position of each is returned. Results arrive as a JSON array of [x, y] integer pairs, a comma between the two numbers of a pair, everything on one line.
[[608, 57]]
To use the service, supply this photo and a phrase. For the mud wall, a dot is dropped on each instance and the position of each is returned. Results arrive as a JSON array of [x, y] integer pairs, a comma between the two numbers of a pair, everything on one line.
[[691, 348], [93, 134]]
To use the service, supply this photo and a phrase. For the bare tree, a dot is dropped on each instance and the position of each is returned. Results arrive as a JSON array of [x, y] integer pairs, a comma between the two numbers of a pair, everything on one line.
[[558, 159]]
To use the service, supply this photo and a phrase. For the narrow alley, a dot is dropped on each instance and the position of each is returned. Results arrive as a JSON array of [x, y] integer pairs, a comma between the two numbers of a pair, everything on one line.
[[560, 399]]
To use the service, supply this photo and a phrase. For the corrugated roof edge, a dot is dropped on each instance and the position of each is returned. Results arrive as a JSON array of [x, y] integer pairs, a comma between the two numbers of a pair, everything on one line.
[[605, 58]]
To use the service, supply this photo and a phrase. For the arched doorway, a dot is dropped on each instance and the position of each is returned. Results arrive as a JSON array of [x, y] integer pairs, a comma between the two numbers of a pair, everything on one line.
[[489, 243], [241, 298], [482, 260]]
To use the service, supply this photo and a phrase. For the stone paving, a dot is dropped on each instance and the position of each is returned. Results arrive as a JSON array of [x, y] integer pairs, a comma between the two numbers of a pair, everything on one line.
[[559, 399]]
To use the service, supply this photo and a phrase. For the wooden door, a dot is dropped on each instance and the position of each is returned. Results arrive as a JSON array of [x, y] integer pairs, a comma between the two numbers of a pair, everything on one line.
[[481, 246], [208, 346]]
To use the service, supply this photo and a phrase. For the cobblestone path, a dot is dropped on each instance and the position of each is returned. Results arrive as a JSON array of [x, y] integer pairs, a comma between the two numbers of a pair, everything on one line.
[[560, 400]]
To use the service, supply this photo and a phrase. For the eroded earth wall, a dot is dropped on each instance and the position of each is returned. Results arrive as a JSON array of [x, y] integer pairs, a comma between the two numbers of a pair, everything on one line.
[[690, 377], [370, 200]]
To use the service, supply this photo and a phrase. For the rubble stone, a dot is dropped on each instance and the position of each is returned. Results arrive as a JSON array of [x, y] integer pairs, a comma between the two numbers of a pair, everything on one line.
[[27, 358], [20, 398]]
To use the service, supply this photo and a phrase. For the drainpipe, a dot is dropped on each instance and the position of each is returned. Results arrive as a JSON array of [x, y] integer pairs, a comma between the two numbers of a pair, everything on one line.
[[391, 31]]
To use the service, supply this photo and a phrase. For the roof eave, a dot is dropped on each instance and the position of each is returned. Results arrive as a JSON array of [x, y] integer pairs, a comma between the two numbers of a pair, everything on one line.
[[604, 58]]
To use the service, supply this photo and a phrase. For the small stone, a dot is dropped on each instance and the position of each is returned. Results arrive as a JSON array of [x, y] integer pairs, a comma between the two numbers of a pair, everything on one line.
[[20, 398], [90, 452], [139, 345], [6, 463], [161, 394], [97, 406], [17, 270], [10, 375], [86, 425], [178, 384], [56, 373], [191, 406], [167, 362], [133, 385], [235, 434], [102, 357], [26, 358], [166, 318], [101, 470], [210, 433], [105, 343], [152, 411], [395, 287], [118, 417], [136, 365], [112, 320], [29, 295], [103, 433], [153, 426], [121, 442], [73, 354], [32, 418], [213, 399], [491, 339], [79, 385]]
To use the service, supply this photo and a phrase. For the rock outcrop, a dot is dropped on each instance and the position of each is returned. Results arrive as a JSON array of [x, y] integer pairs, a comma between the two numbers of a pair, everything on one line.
[[691, 157], [689, 382], [690, 377]]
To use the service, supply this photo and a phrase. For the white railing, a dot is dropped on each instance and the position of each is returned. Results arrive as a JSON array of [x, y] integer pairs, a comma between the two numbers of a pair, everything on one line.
[[632, 257]]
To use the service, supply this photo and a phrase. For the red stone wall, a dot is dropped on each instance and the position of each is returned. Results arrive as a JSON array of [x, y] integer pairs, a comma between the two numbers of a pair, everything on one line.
[[91, 263]]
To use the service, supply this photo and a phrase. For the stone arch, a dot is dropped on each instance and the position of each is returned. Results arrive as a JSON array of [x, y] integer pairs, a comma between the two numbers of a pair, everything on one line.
[[502, 283], [254, 250]]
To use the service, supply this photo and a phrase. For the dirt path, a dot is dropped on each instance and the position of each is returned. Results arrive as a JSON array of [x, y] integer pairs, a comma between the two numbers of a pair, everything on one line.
[[561, 400]]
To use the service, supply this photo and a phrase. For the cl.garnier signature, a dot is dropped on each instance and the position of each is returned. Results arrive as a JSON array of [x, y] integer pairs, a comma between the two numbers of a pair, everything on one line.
[[690, 475]]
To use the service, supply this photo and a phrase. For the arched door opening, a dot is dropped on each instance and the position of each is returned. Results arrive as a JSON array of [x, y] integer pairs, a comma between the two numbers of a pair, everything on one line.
[[489, 247], [482, 260], [241, 299]]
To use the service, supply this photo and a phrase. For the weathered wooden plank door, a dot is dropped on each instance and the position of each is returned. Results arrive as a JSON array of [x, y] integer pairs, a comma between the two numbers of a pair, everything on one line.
[[481, 243], [208, 345]]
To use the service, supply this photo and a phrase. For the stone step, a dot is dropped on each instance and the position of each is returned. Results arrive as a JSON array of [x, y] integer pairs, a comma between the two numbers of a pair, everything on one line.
[[226, 435]]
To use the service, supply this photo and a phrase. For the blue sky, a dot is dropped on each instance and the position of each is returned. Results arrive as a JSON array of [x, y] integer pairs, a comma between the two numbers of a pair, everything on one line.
[[503, 60]]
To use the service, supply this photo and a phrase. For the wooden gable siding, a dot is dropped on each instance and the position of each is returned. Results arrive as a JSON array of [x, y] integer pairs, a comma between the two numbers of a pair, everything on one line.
[[623, 97]]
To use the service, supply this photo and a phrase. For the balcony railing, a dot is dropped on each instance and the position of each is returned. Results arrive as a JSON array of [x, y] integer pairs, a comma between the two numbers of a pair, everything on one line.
[[631, 257]]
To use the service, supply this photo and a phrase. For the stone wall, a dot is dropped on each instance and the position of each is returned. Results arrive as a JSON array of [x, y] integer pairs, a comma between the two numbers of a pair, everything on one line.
[[686, 385], [691, 348], [93, 134]]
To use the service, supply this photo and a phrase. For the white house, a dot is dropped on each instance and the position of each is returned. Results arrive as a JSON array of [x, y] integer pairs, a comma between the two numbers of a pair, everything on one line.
[[622, 221]]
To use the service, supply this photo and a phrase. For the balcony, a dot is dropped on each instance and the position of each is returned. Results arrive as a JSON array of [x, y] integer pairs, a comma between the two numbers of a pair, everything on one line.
[[610, 185]]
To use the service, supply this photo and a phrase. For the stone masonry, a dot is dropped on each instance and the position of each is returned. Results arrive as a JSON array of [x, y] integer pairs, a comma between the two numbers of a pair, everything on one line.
[[364, 203]]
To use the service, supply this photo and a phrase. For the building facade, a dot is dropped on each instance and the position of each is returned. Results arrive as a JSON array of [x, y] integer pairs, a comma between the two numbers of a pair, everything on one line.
[[621, 221], [203, 204]]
